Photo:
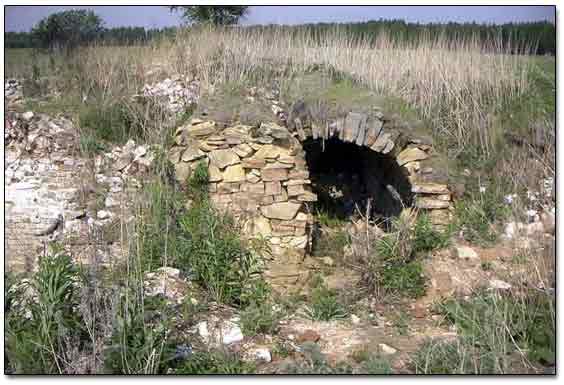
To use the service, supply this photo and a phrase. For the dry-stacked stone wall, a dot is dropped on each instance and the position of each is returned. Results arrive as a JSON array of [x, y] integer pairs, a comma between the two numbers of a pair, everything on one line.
[[260, 176]]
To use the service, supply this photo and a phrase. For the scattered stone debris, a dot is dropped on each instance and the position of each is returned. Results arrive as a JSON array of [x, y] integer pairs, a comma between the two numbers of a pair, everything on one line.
[[216, 331], [261, 354], [13, 91], [167, 283], [174, 94]]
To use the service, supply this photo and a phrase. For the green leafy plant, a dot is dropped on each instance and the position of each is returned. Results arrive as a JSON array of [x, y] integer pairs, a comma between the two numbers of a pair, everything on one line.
[[42, 316], [315, 362], [137, 345], [214, 362], [198, 181], [426, 238], [478, 213], [486, 266], [404, 279], [375, 365], [325, 305], [256, 319]]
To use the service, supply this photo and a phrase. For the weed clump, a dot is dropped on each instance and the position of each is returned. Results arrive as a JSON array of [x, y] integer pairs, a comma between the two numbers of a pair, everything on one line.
[[478, 213], [392, 268], [214, 362], [259, 318], [324, 304], [497, 333], [109, 123], [42, 317]]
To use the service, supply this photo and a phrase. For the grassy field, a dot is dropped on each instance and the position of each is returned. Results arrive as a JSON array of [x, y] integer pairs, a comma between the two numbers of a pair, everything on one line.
[[490, 112]]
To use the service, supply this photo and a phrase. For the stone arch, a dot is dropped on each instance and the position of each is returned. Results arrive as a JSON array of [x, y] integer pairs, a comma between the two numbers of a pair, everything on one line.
[[261, 174]]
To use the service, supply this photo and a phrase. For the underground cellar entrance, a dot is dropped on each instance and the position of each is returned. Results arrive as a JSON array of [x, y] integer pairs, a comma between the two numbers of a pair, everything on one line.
[[346, 177]]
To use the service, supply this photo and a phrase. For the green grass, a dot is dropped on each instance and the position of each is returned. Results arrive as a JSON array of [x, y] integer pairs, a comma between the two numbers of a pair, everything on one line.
[[493, 328], [479, 212], [324, 305], [214, 362], [403, 279], [426, 238], [20, 62], [109, 122]]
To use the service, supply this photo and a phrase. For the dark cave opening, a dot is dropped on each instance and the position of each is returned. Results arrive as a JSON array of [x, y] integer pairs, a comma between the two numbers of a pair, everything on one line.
[[345, 176]]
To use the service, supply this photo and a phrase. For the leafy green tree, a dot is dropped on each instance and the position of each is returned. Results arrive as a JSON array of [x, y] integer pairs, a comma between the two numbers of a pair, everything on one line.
[[213, 14], [68, 29]]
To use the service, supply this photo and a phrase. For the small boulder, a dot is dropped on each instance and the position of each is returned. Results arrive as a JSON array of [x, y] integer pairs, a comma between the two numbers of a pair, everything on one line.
[[27, 116], [465, 252], [387, 350]]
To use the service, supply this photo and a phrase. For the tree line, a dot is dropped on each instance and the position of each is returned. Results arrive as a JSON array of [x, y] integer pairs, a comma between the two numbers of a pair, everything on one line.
[[78, 27]]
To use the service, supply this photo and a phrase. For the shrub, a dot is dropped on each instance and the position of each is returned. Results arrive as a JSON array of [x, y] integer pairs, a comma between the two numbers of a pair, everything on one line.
[[213, 251], [449, 357], [477, 214], [325, 305], [403, 279], [256, 319], [330, 244], [426, 238], [391, 269], [90, 145], [157, 229]]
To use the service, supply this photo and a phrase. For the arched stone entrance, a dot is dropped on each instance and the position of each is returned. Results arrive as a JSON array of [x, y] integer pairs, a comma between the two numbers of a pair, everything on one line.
[[269, 176]]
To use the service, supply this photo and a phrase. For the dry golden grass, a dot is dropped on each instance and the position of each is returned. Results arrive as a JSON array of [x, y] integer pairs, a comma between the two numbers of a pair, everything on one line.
[[455, 85]]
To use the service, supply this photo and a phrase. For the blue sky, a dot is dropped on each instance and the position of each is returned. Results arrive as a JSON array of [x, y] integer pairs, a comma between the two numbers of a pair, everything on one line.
[[22, 18]]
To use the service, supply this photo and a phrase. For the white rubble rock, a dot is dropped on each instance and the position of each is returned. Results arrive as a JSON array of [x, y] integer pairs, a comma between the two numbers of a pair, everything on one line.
[[226, 332], [139, 152], [111, 202], [532, 216], [355, 319], [231, 332], [169, 271], [499, 284], [104, 214], [386, 349], [260, 354], [203, 330], [27, 116], [510, 230], [465, 252]]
